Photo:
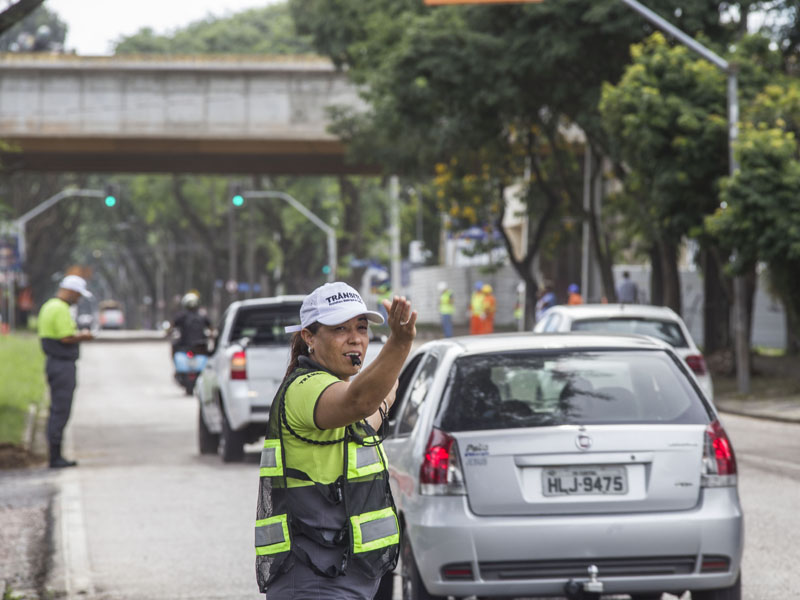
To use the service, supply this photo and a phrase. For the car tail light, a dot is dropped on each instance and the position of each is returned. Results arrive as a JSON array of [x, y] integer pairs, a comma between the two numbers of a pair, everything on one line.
[[715, 564], [719, 462], [190, 354], [239, 365], [696, 364], [459, 571], [440, 473]]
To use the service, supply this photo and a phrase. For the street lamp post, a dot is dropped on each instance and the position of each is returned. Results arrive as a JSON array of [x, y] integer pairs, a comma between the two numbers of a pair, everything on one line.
[[330, 233], [741, 341], [22, 221]]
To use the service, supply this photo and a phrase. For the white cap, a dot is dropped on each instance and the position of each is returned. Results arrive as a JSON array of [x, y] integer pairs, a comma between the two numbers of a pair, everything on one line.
[[333, 304], [441, 286], [76, 284]]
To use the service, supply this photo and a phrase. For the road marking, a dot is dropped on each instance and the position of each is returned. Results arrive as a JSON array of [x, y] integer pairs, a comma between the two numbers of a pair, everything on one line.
[[73, 538]]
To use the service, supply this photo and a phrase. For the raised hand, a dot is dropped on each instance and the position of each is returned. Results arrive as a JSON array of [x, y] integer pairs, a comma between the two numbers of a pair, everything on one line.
[[401, 319]]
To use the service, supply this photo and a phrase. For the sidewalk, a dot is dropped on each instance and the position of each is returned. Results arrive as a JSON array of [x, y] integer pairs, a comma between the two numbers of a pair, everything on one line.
[[775, 409]]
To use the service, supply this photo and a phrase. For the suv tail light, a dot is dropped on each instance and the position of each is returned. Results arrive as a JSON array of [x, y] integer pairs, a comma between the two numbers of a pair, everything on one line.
[[440, 473], [696, 364], [719, 462], [239, 365]]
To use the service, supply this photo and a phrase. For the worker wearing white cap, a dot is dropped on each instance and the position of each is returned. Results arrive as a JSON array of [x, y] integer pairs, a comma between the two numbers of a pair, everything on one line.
[[60, 340]]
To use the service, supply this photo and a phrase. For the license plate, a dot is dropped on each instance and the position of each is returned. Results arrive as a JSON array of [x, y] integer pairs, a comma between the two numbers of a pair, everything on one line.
[[585, 481]]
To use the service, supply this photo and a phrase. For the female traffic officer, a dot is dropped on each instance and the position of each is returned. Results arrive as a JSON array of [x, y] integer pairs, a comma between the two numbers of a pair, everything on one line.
[[326, 524]]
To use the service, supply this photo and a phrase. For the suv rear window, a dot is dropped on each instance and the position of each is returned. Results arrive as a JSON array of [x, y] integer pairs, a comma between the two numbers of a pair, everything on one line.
[[511, 390], [666, 331], [263, 325]]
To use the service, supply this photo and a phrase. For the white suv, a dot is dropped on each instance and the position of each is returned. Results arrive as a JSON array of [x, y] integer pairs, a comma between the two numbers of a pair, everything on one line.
[[659, 322], [243, 373]]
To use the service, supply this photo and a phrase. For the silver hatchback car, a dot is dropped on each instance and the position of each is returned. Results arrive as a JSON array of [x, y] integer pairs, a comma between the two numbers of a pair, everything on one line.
[[561, 465]]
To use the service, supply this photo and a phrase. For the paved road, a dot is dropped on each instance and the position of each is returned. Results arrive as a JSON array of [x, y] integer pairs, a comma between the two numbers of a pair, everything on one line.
[[768, 456], [145, 517]]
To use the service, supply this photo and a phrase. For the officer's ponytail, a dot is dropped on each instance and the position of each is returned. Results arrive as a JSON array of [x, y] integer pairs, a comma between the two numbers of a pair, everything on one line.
[[298, 348]]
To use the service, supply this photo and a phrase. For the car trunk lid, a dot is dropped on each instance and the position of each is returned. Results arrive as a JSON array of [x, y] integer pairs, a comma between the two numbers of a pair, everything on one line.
[[582, 469]]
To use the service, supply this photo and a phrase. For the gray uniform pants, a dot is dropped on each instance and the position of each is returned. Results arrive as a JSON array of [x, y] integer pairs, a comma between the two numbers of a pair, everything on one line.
[[61, 378]]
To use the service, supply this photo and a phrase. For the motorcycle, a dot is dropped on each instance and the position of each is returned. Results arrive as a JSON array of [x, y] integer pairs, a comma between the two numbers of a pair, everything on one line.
[[188, 365]]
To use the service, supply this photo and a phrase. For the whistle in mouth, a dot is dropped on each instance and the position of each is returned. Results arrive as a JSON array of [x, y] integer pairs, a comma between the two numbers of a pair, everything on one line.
[[355, 360]]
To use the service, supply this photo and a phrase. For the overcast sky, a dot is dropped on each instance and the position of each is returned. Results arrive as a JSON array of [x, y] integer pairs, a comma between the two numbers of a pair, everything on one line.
[[95, 24]]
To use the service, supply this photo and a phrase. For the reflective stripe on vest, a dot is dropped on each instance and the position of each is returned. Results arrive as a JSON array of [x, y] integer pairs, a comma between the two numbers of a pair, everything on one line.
[[364, 460], [271, 459], [374, 530], [272, 535]]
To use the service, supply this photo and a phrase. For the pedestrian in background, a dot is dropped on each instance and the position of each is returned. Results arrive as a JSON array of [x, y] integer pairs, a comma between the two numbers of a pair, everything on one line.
[[326, 526], [546, 299], [446, 308], [476, 309], [489, 308], [60, 341], [628, 291], [574, 292]]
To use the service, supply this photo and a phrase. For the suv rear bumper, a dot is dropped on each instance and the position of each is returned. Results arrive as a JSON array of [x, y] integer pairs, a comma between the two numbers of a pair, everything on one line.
[[644, 552]]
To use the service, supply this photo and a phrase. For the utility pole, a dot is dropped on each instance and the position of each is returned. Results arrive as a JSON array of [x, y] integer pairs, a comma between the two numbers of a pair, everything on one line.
[[232, 258], [394, 234]]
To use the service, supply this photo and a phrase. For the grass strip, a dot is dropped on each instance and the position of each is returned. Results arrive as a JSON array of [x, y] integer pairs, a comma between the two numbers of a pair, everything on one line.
[[22, 383]]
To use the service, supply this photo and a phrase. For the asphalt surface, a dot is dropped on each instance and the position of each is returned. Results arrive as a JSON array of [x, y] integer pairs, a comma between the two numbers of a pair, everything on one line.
[[40, 509]]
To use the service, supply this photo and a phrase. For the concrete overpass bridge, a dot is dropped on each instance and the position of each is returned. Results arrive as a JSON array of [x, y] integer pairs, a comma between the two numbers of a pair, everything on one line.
[[197, 114]]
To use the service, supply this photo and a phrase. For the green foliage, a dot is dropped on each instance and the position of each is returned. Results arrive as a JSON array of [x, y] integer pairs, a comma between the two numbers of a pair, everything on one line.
[[667, 122], [268, 30], [760, 212], [22, 374]]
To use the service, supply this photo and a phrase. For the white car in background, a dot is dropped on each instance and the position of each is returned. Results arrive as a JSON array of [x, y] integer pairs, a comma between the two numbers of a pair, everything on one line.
[[657, 321]]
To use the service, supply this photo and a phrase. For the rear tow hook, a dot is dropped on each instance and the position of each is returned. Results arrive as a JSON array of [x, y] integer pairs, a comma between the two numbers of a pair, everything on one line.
[[591, 589]]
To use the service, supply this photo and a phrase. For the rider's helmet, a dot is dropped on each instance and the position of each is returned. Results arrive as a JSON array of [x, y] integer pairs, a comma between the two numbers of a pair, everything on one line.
[[190, 300]]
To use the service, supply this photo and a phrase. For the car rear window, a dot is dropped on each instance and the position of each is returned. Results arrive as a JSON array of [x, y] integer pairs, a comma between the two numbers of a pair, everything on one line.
[[667, 331], [526, 389], [264, 325]]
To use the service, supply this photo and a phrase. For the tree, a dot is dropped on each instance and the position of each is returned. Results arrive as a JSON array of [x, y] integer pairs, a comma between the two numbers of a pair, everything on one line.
[[268, 30], [666, 120], [759, 216], [492, 85]]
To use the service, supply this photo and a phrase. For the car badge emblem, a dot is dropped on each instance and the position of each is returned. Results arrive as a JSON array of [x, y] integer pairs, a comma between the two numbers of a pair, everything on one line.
[[583, 441]]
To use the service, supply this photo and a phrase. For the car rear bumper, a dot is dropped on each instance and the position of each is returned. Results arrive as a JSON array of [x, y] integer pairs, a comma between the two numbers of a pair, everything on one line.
[[644, 552]]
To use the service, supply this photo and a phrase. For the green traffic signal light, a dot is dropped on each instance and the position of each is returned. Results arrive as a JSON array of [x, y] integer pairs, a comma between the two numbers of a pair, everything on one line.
[[236, 195], [111, 197], [326, 269]]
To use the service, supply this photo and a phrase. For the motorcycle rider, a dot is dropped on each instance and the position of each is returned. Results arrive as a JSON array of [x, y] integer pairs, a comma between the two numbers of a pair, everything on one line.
[[192, 327]]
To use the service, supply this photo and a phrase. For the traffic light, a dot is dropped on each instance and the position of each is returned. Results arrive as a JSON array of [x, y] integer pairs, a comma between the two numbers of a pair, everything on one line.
[[326, 269], [111, 196], [237, 199]]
